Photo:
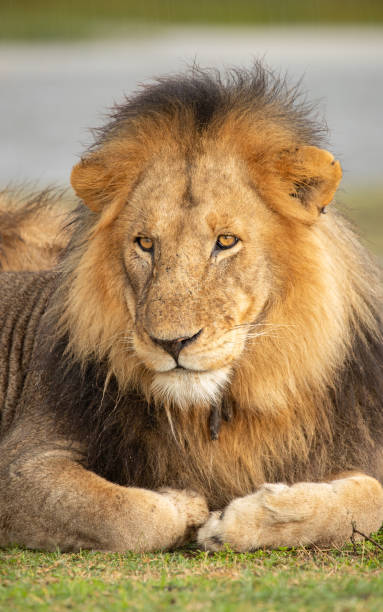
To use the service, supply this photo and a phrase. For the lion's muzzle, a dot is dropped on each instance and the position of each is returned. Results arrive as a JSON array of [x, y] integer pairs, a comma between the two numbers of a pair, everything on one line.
[[175, 346]]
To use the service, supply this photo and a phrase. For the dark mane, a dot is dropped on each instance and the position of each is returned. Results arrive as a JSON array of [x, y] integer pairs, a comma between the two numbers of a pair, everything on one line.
[[209, 95]]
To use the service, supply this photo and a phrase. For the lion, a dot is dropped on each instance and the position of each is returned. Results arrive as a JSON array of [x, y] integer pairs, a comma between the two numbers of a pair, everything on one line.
[[203, 359]]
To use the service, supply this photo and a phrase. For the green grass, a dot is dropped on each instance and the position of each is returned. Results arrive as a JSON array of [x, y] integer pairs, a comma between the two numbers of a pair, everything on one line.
[[71, 19], [288, 580]]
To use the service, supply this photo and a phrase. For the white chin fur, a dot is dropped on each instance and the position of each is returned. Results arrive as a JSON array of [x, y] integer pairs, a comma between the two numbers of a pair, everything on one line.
[[185, 388]]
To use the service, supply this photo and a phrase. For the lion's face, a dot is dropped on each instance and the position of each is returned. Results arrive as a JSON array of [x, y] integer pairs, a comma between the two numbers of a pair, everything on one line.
[[194, 247], [191, 248]]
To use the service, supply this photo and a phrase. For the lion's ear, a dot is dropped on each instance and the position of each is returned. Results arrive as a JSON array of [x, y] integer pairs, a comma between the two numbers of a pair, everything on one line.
[[91, 182], [310, 178]]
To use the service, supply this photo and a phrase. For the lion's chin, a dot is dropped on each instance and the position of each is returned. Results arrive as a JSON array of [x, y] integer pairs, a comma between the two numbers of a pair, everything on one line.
[[185, 388]]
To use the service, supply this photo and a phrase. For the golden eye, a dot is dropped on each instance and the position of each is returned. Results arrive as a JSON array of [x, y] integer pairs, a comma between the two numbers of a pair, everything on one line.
[[146, 244], [226, 241]]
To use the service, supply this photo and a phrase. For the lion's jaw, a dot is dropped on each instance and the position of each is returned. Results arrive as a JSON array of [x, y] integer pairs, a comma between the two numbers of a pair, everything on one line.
[[200, 373], [185, 387]]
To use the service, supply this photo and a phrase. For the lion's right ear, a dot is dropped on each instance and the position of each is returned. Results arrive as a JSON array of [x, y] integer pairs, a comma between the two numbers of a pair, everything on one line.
[[92, 182], [310, 177]]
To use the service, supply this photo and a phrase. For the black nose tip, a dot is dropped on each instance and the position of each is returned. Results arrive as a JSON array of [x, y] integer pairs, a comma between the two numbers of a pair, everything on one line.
[[174, 347]]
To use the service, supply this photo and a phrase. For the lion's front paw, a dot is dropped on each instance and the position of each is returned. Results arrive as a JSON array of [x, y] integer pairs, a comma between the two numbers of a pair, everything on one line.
[[211, 535], [274, 516], [252, 521], [190, 504], [301, 514]]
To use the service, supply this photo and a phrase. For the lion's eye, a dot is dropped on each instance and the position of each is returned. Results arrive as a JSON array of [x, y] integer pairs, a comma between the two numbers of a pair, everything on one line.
[[226, 241], [146, 244]]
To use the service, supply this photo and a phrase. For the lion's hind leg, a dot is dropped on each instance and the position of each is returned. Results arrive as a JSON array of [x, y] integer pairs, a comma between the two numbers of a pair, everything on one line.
[[34, 230], [302, 514]]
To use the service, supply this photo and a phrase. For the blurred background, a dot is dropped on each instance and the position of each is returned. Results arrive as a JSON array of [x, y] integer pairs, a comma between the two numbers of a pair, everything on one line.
[[63, 63]]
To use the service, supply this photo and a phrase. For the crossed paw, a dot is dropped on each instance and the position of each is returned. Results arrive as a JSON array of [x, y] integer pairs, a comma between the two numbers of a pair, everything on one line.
[[301, 514]]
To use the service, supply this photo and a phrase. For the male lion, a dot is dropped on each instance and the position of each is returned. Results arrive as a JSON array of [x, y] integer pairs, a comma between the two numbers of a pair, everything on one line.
[[208, 341]]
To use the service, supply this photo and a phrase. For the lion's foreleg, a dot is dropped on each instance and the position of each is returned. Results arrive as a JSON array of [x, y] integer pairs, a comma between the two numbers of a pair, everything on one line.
[[302, 514], [51, 501]]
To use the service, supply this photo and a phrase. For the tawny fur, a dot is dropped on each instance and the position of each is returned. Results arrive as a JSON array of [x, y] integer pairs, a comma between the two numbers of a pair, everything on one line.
[[32, 230], [289, 359]]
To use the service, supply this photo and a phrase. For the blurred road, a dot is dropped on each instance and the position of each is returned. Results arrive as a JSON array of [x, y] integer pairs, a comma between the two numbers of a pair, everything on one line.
[[51, 94]]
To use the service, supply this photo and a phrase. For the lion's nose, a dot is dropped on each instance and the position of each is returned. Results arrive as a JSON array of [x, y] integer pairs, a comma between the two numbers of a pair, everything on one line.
[[175, 346]]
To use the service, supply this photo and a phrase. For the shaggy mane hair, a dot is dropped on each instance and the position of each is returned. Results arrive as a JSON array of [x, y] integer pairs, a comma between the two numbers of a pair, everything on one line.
[[206, 96], [304, 402]]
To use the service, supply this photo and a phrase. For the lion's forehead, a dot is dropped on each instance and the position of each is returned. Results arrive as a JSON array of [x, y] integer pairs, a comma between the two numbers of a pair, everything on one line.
[[201, 194]]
